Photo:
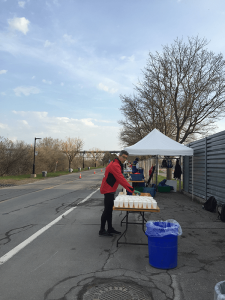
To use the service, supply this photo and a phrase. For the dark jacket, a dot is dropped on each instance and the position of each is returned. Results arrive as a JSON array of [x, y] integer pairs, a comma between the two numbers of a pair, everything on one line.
[[177, 171], [113, 177]]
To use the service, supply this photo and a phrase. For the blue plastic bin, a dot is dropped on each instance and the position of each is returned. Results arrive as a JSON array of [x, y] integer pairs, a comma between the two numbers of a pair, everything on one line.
[[163, 249], [152, 191], [136, 177]]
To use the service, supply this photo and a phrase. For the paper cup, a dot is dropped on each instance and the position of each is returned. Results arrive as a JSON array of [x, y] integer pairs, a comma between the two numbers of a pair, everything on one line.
[[136, 203], [131, 203], [154, 204], [149, 204], [144, 203], [121, 202], [116, 203], [126, 203], [140, 203]]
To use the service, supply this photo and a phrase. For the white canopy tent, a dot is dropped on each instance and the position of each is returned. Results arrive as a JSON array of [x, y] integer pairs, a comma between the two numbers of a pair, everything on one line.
[[156, 143]]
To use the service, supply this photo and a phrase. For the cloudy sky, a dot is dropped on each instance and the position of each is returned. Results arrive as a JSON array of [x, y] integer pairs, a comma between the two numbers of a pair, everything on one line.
[[65, 63]]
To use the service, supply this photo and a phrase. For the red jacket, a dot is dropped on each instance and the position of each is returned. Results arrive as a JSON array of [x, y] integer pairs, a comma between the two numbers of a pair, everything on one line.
[[113, 177], [150, 171]]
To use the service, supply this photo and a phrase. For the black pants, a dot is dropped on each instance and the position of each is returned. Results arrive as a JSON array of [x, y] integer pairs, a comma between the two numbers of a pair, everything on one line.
[[150, 178], [107, 213]]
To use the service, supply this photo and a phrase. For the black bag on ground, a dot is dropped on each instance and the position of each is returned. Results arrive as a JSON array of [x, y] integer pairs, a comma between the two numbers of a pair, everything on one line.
[[221, 212], [210, 204]]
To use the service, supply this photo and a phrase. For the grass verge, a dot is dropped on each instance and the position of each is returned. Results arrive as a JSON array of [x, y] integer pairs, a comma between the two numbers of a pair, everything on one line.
[[39, 176]]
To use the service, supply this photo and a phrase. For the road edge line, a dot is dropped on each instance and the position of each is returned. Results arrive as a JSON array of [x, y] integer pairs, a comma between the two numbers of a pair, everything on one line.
[[22, 245]]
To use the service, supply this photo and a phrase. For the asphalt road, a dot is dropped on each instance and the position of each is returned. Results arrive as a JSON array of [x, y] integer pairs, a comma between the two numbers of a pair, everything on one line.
[[64, 260], [24, 211]]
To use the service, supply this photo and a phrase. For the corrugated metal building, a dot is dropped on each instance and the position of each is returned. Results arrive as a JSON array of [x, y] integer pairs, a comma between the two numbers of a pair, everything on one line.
[[208, 168]]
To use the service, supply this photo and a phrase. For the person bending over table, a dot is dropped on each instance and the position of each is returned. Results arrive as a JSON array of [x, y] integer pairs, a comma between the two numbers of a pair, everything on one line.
[[112, 178]]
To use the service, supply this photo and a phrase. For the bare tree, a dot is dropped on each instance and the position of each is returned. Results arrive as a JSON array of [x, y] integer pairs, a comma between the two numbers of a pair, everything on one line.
[[15, 157], [108, 156], [50, 156], [95, 155], [182, 93], [71, 147]]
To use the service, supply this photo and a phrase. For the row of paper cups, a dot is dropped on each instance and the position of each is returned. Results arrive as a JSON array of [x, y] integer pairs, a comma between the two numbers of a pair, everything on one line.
[[135, 202]]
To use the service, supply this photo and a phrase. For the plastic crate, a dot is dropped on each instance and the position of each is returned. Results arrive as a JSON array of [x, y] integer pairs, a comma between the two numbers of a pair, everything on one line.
[[149, 190], [164, 189], [136, 177]]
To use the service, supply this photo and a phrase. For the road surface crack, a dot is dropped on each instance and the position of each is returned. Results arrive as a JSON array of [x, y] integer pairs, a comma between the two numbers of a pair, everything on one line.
[[14, 231]]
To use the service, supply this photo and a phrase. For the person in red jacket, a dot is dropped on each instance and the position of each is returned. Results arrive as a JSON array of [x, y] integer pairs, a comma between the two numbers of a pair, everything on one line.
[[151, 172], [112, 178]]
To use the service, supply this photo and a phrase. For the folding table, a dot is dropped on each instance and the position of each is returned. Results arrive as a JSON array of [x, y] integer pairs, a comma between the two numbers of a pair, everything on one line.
[[133, 210]]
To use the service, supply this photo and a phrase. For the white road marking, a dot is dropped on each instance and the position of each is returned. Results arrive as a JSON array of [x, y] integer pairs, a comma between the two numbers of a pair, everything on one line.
[[88, 197], [14, 251]]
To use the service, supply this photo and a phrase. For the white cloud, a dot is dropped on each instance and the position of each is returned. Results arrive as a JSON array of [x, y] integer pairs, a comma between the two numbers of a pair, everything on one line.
[[35, 114], [47, 82], [27, 124], [21, 3], [88, 122], [105, 88], [3, 71], [68, 39], [62, 84], [3, 93], [103, 121], [48, 44], [20, 24], [33, 77], [26, 90], [24, 122], [129, 58], [3, 126]]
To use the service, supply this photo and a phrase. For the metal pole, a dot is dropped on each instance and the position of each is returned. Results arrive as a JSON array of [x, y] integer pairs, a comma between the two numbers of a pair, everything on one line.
[[34, 153], [205, 168], [157, 164], [83, 159], [192, 176], [34, 157], [180, 176]]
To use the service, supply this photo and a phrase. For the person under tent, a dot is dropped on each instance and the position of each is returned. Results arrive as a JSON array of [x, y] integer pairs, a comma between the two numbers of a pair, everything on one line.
[[151, 172]]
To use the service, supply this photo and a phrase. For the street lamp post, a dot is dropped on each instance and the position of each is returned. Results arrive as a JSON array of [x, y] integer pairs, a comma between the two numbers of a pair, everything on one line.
[[34, 175], [83, 159]]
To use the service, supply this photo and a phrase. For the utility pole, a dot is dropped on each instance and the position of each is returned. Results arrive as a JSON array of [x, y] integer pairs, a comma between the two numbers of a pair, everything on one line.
[[83, 159], [34, 175]]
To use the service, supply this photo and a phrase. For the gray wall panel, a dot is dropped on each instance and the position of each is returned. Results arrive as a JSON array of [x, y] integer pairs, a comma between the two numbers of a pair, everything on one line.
[[208, 168]]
